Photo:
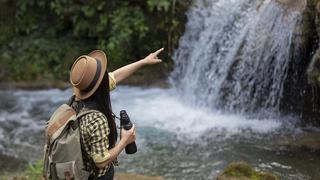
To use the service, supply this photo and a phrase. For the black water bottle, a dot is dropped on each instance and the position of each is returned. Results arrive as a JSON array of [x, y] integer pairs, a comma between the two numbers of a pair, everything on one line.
[[126, 124]]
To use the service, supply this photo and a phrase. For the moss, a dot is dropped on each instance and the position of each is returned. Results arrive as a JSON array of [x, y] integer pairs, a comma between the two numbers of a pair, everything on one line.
[[243, 171], [238, 170]]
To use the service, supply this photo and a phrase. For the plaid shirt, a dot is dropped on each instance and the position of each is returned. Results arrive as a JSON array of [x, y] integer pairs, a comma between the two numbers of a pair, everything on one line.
[[94, 133]]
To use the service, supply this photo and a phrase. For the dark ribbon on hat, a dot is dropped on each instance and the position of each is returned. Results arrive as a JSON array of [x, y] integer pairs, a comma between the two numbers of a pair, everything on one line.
[[96, 77]]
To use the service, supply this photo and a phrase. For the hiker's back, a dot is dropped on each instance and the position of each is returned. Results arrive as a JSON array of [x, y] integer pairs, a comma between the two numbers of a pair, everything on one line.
[[63, 156]]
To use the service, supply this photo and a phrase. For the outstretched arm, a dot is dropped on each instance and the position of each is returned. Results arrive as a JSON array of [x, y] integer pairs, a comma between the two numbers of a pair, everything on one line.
[[126, 71]]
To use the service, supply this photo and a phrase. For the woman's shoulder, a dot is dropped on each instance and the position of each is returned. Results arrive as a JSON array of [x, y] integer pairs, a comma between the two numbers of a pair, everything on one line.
[[94, 117]]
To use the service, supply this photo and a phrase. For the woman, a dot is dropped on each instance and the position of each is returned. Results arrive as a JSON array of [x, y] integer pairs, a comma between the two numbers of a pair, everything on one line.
[[91, 86]]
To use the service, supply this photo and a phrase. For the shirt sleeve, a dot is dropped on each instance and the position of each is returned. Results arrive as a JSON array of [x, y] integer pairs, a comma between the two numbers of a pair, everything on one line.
[[98, 132], [112, 81]]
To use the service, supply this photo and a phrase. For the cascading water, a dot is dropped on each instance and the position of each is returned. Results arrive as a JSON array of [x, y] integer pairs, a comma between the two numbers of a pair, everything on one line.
[[235, 54]]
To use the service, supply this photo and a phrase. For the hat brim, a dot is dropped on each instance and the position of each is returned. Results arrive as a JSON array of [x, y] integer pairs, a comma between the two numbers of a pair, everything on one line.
[[99, 56]]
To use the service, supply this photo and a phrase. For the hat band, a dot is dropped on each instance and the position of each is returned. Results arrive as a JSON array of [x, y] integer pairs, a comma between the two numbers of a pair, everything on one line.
[[96, 77]]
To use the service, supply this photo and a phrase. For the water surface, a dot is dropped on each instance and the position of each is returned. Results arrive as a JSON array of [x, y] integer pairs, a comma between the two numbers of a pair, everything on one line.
[[175, 140]]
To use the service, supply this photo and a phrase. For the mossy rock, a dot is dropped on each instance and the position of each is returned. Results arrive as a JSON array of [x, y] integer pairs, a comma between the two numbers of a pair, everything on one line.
[[243, 171]]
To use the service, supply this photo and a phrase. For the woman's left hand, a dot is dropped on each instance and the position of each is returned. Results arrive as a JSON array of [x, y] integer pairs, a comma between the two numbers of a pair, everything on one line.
[[153, 58], [126, 71]]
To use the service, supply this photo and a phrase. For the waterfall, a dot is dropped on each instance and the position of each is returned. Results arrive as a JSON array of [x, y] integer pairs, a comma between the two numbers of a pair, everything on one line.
[[235, 54]]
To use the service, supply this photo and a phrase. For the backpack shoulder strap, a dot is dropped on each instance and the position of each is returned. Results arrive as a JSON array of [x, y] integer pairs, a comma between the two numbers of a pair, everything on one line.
[[59, 118]]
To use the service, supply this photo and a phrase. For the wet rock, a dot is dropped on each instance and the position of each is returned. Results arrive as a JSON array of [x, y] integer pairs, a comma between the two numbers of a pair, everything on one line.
[[299, 96], [314, 69], [297, 5], [243, 171], [309, 141]]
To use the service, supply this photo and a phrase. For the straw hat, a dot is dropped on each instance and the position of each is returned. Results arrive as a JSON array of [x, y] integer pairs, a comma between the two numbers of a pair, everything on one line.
[[87, 73]]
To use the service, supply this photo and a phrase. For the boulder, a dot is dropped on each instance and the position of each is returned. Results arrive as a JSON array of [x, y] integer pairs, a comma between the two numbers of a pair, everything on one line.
[[243, 171]]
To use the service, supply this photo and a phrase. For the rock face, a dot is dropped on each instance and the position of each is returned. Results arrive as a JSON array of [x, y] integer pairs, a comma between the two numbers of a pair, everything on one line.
[[294, 4], [314, 67], [243, 171], [308, 141], [300, 96]]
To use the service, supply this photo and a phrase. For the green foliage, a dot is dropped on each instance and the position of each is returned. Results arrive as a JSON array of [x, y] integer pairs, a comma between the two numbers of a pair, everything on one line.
[[159, 5], [126, 23], [34, 57], [41, 38], [34, 171]]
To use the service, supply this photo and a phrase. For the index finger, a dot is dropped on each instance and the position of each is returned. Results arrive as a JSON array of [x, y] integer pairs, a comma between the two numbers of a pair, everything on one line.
[[158, 51], [133, 127]]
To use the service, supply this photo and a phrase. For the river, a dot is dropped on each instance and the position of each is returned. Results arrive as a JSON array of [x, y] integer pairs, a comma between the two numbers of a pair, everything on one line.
[[175, 140]]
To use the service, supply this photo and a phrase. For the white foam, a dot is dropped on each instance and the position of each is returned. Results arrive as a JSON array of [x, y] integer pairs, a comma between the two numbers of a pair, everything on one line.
[[162, 109], [159, 108]]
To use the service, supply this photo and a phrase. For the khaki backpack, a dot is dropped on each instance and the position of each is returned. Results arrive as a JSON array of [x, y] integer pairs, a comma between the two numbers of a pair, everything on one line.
[[62, 151]]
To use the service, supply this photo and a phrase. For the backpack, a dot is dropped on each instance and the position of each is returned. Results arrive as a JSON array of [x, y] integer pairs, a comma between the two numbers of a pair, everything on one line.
[[62, 151]]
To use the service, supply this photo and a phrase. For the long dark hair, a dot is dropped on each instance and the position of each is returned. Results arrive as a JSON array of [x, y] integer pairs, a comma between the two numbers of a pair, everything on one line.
[[100, 101]]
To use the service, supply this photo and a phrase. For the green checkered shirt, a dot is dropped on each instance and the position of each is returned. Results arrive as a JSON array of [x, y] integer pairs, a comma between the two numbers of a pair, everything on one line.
[[94, 131]]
